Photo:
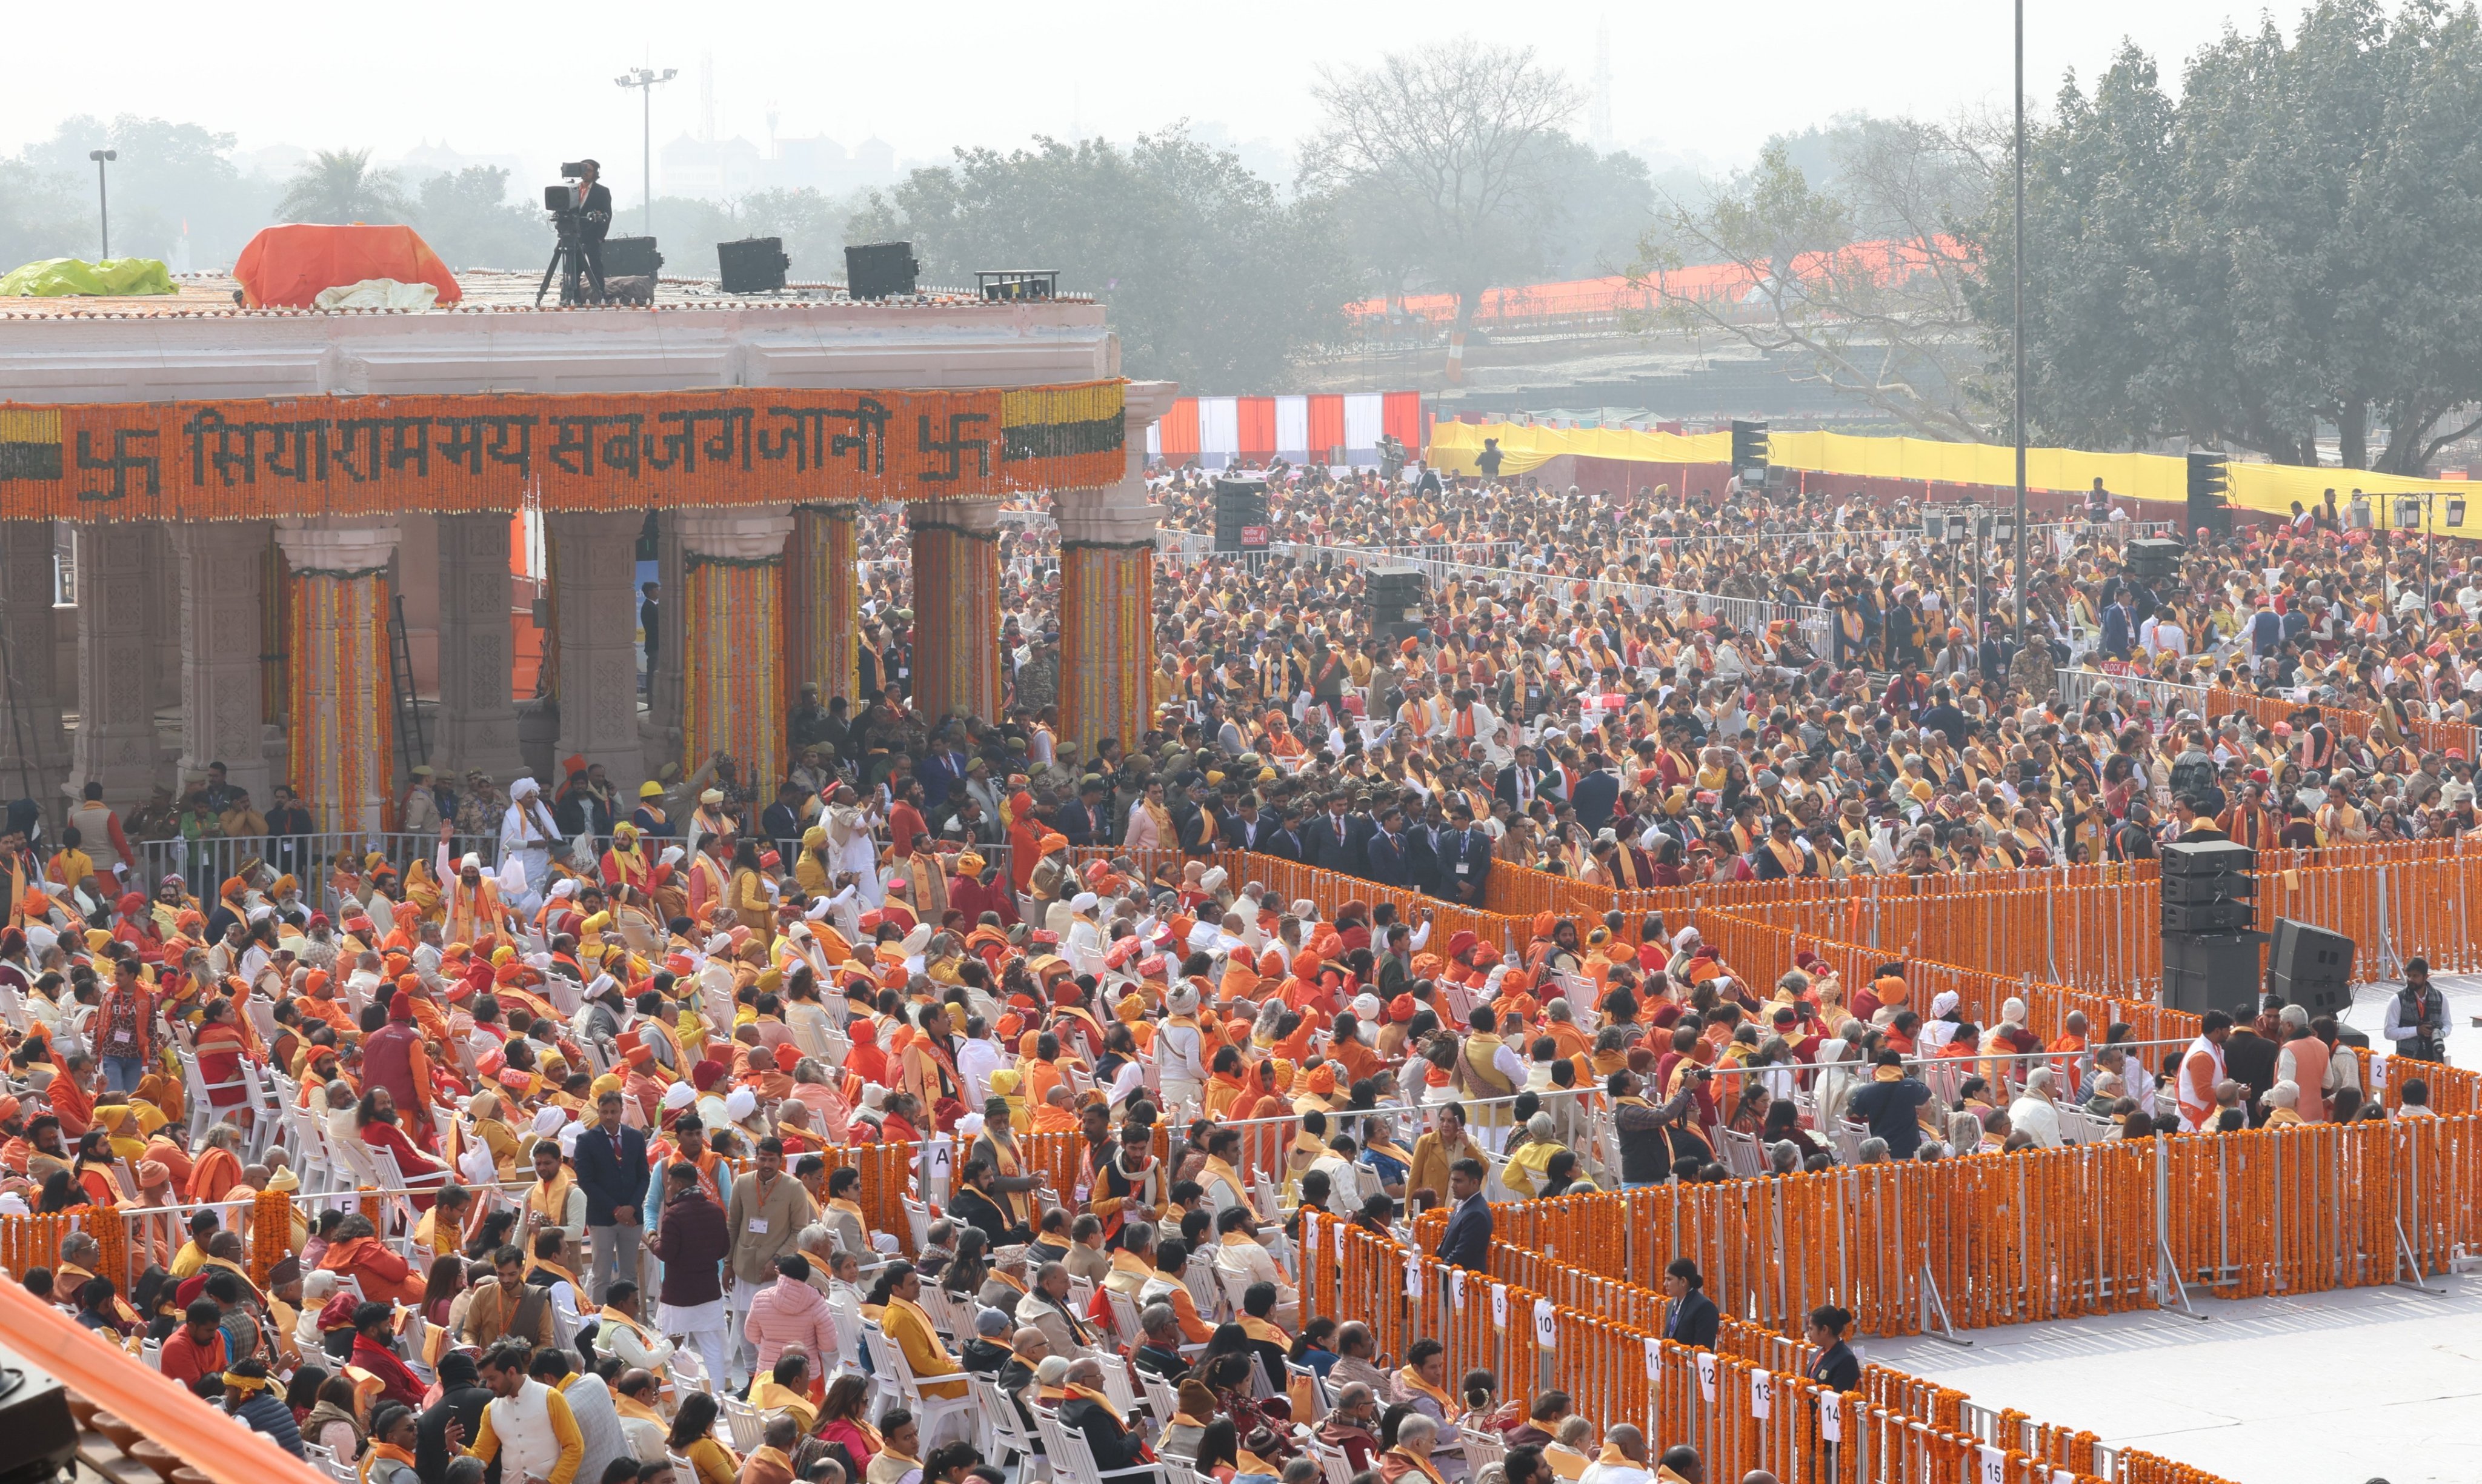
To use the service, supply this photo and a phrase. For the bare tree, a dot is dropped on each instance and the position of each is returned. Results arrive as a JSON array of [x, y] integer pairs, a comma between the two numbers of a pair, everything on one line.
[[1440, 148], [1866, 279]]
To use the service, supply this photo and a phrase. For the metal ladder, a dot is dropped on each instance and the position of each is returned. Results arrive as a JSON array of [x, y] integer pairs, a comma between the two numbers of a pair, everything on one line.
[[410, 743]]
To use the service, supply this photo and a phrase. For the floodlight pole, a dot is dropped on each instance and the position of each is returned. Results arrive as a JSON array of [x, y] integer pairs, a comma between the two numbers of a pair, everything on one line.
[[2017, 331], [102, 196], [644, 79]]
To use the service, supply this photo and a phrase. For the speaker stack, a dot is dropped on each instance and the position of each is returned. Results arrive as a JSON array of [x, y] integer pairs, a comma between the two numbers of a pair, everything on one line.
[[1399, 599], [2210, 957], [1241, 515], [2155, 560]]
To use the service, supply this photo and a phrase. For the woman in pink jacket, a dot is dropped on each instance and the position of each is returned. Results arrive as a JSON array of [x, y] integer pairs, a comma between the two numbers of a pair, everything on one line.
[[790, 1313]]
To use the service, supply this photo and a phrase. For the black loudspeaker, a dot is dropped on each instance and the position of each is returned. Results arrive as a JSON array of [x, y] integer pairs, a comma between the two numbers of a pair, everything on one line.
[[2205, 972], [2222, 916], [2312, 968], [2213, 516], [2155, 560], [1399, 599], [754, 265], [631, 257], [1241, 522], [2198, 890], [2208, 858], [880, 270]]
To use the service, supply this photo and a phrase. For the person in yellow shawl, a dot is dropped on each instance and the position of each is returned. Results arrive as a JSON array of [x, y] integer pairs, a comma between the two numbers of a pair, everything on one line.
[[908, 1327], [787, 1388]]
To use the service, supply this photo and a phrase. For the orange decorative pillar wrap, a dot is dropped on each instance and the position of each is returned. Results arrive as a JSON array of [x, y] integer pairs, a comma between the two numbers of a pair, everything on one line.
[[1107, 553], [342, 732], [956, 608], [735, 681], [825, 598]]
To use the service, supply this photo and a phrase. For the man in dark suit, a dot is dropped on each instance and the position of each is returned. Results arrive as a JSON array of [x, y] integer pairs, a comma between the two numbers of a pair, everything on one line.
[[1519, 782], [612, 1170], [1249, 827], [1386, 849], [1085, 821], [1285, 841], [1422, 852], [594, 201], [1596, 793], [1465, 857], [1334, 841], [1114, 1446], [1466, 1243], [1690, 1318]]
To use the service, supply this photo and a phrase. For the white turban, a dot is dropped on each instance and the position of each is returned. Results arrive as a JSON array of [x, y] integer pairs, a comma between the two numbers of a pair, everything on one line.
[[740, 1103], [524, 788], [471, 863], [1082, 903], [1944, 1001], [567, 886], [671, 856], [548, 1120], [679, 1096]]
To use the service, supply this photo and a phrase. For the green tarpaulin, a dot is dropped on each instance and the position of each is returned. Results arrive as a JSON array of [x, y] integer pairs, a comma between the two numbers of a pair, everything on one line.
[[58, 276]]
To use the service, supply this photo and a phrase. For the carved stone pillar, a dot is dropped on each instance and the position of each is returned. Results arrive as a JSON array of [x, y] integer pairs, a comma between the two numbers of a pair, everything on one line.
[[593, 566], [823, 598], [662, 733], [223, 567], [1107, 553], [34, 746], [956, 608], [478, 716], [735, 682], [116, 735], [342, 734]]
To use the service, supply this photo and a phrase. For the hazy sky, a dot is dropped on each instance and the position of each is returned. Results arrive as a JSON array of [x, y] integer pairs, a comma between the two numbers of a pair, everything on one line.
[[531, 80]]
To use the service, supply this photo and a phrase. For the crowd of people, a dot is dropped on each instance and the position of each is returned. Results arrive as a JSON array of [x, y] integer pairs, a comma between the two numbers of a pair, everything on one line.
[[611, 1064]]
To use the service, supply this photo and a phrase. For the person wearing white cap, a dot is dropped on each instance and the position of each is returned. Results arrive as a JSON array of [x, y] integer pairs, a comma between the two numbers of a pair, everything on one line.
[[472, 897], [527, 837], [1181, 1068]]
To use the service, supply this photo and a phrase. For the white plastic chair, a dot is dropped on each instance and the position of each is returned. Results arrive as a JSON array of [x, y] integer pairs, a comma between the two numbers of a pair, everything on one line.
[[900, 1384], [742, 1418]]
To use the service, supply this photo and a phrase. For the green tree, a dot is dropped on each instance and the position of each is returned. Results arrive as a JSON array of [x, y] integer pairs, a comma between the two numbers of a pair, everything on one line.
[[340, 186], [2296, 242], [1884, 311], [170, 178], [1454, 152], [41, 216], [1212, 281], [468, 219]]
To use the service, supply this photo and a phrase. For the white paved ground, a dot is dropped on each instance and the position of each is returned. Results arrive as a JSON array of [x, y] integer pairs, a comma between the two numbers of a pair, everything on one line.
[[2327, 1388]]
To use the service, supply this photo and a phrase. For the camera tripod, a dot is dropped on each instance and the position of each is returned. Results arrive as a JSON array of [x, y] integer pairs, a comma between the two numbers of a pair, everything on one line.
[[570, 260]]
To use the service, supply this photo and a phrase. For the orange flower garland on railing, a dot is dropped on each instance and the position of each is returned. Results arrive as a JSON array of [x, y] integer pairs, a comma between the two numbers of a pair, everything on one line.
[[271, 1232]]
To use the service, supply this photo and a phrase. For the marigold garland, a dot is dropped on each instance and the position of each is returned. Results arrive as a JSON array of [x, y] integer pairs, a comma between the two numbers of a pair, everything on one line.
[[306, 457], [271, 1232]]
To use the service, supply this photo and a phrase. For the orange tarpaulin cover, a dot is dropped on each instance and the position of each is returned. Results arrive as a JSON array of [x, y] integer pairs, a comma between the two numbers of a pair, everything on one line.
[[289, 265]]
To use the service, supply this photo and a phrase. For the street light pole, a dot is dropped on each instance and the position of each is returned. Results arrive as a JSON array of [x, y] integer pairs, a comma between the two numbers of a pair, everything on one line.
[[644, 79], [102, 198], [2017, 330]]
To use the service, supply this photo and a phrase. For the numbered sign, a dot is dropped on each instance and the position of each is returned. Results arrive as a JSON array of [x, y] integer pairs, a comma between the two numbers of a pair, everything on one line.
[[1706, 1374], [1993, 1469], [1763, 1393], [1831, 1417], [1546, 1325], [1412, 1275], [1457, 1288], [1654, 1360], [1499, 1306], [1335, 1230]]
